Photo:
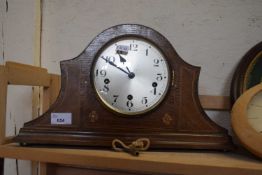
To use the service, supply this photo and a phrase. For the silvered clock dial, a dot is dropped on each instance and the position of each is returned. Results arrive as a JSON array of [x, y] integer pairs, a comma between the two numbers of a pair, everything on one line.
[[131, 76]]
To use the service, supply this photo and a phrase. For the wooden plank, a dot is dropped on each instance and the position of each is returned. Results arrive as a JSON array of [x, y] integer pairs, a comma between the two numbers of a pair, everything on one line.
[[34, 165], [37, 34], [51, 93], [46, 99], [3, 98], [181, 162], [36, 101], [21, 74], [37, 96], [8, 139], [210, 102], [55, 86], [43, 167], [37, 91], [58, 169]]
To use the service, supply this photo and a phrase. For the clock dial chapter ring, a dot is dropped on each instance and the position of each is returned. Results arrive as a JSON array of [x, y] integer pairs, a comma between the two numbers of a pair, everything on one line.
[[133, 82]]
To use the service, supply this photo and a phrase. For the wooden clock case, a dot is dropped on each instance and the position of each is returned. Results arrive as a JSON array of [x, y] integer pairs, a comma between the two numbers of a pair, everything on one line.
[[178, 121], [250, 138], [248, 72]]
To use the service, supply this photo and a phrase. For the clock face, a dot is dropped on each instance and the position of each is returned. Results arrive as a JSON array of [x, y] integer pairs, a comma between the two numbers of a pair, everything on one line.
[[254, 112], [253, 75], [131, 76]]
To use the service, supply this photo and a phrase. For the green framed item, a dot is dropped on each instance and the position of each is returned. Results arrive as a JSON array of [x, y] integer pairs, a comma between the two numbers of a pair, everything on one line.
[[248, 72]]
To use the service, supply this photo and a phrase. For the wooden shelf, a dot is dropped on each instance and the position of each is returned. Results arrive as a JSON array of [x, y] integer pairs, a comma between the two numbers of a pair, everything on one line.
[[177, 162]]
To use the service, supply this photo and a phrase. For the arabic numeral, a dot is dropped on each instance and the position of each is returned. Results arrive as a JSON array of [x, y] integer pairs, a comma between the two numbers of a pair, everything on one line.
[[144, 100], [129, 104], [101, 73], [156, 62], [115, 98], [159, 77], [60, 120], [133, 47], [109, 58], [106, 88]]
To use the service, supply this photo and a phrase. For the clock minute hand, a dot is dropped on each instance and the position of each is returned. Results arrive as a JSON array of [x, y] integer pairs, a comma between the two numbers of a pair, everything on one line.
[[123, 60], [113, 64]]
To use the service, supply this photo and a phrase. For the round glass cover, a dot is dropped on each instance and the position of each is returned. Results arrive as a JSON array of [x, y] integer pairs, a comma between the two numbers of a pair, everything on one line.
[[131, 76]]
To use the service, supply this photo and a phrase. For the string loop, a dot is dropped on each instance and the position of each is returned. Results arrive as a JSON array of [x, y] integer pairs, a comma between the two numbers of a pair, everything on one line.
[[141, 144]]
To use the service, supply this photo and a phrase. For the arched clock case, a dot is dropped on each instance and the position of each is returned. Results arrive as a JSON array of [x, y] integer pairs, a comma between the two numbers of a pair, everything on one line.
[[163, 107]]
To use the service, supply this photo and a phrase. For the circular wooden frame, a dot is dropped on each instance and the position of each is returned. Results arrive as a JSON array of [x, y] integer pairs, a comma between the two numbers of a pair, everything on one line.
[[241, 77], [248, 136]]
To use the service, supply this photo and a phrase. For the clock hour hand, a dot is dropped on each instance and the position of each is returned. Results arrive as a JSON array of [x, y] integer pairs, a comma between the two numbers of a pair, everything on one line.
[[131, 74], [122, 59], [113, 64]]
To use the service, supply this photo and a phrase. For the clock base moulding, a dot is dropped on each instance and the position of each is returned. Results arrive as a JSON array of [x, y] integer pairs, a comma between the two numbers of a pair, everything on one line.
[[178, 121]]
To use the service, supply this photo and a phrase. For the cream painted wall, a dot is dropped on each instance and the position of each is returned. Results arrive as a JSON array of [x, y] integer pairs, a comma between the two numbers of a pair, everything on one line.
[[208, 33], [17, 44]]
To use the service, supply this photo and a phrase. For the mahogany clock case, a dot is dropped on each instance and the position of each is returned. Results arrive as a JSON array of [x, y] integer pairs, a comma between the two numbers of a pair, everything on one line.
[[248, 72], [178, 121]]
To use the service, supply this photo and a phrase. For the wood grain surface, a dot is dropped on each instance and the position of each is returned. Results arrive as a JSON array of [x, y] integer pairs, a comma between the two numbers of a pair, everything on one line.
[[248, 136]]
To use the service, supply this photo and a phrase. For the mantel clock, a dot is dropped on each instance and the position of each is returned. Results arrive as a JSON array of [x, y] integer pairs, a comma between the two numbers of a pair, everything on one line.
[[129, 83]]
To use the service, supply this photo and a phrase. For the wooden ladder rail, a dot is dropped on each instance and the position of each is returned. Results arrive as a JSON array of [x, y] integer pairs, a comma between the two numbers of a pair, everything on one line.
[[20, 74]]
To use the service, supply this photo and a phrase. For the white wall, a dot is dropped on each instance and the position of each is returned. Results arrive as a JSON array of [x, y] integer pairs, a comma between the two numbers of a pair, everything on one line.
[[17, 44], [208, 33]]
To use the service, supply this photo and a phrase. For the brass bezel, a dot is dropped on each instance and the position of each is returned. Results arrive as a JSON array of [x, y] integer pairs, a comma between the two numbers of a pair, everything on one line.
[[115, 110]]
